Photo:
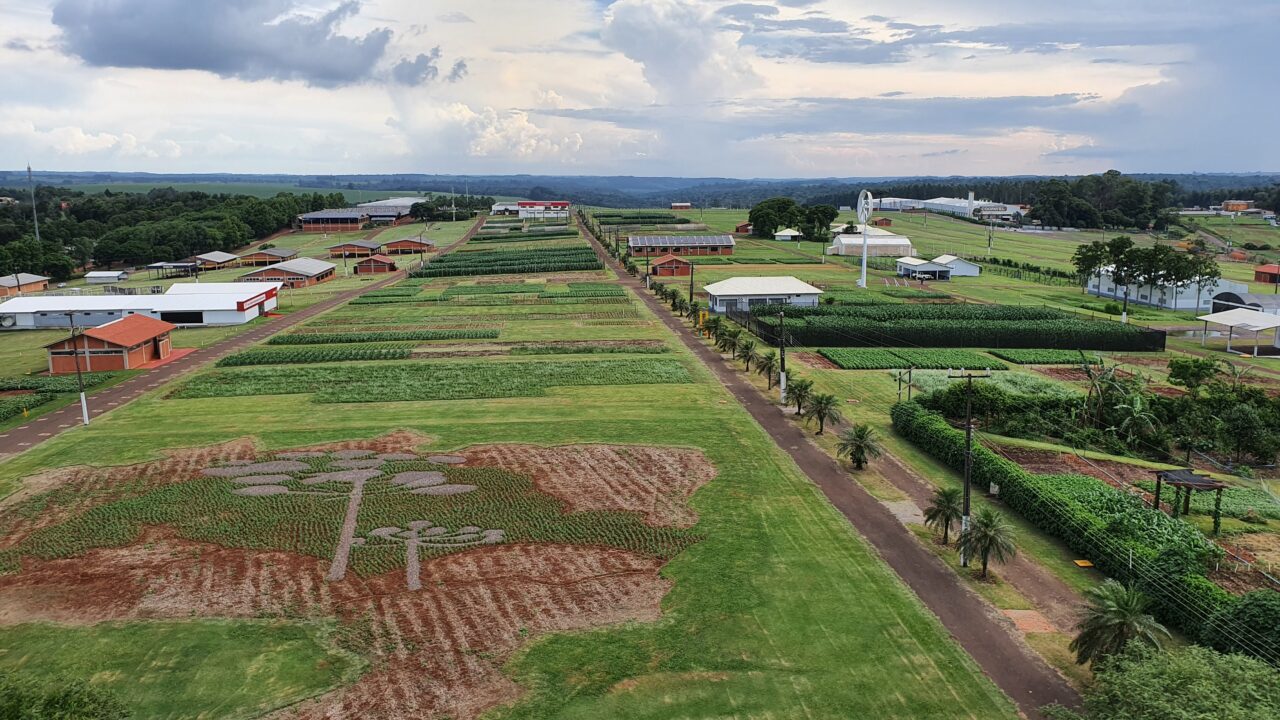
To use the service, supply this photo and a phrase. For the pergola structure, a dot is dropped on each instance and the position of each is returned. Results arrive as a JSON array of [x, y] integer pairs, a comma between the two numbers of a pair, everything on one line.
[[1243, 319], [1184, 482]]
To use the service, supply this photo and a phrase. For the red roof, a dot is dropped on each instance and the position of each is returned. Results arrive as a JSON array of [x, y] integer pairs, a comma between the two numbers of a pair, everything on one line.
[[414, 240], [1271, 268], [130, 330], [378, 258], [670, 258]]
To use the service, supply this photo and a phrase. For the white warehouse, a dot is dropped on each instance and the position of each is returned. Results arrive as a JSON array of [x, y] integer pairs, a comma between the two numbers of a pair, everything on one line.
[[741, 293], [184, 304], [1184, 298]]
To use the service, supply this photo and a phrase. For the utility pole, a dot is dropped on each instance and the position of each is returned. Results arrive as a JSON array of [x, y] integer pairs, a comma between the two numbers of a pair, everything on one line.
[[691, 286], [782, 355], [75, 355], [968, 448], [991, 232]]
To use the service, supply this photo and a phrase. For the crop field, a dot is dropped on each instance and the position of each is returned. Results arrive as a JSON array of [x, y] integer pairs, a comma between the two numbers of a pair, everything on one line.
[[1047, 357], [923, 358], [595, 479]]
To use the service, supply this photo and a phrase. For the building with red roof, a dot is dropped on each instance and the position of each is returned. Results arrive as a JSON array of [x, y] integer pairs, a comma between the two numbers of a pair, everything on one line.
[[122, 344], [670, 266], [375, 264], [1267, 274]]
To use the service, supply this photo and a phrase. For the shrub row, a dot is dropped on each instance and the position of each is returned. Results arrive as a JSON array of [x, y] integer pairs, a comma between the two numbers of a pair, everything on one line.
[[13, 405], [1164, 557], [291, 356], [494, 289], [498, 262], [924, 359], [588, 349], [1046, 357], [838, 331], [357, 337], [53, 383]]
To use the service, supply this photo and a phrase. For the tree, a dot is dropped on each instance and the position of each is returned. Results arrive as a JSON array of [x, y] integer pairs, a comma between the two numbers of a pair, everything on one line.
[[1194, 683], [1192, 372], [798, 393], [745, 351], [728, 339], [823, 407], [1207, 274], [1116, 614], [1089, 261], [1124, 265], [1137, 421], [989, 536], [859, 443], [767, 365], [769, 215], [713, 325], [945, 509]]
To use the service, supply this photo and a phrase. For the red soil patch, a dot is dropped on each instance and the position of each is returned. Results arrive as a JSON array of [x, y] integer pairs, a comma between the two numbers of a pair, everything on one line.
[[1030, 621], [656, 482], [1070, 373], [816, 360]]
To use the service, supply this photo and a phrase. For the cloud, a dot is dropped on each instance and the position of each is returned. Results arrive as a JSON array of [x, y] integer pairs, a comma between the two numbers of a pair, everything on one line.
[[247, 39], [944, 153], [458, 71], [19, 45], [681, 51], [456, 16], [422, 69]]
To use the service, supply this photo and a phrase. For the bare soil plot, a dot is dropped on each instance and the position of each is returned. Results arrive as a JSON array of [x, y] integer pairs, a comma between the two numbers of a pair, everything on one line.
[[654, 481]]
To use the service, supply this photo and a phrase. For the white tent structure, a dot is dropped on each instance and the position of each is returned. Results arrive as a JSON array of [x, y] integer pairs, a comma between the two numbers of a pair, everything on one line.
[[1243, 319]]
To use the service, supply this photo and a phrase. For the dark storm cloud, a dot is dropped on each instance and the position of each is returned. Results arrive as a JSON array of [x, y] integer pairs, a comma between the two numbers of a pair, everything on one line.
[[422, 69], [247, 39]]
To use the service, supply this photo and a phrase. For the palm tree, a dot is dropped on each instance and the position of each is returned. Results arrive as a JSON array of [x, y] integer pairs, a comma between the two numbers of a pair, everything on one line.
[[824, 407], [989, 535], [767, 365], [745, 351], [859, 443], [679, 306], [946, 508], [1116, 614], [798, 393], [692, 311], [728, 339]]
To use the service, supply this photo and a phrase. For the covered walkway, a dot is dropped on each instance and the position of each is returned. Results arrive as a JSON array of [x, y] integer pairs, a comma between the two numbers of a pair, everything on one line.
[[1245, 320]]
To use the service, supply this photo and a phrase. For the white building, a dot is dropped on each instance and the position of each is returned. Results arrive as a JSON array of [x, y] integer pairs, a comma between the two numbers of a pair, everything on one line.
[[186, 304], [106, 277], [543, 209], [880, 243], [509, 208], [787, 234], [741, 293], [959, 266], [895, 203], [1104, 285], [921, 269]]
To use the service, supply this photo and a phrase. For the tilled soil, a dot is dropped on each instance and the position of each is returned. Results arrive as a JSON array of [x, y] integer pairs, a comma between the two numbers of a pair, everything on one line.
[[816, 360], [654, 481]]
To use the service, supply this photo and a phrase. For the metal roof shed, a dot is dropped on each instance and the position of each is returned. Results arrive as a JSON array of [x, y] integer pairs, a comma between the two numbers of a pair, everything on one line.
[[1243, 319]]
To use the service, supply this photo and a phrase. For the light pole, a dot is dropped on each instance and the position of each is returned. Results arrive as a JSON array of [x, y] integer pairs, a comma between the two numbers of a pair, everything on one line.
[[75, 356]]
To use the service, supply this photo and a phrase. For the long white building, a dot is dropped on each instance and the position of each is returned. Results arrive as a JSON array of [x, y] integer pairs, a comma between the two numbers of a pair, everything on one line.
[[184, 304], [880, 243], [1104, 285]]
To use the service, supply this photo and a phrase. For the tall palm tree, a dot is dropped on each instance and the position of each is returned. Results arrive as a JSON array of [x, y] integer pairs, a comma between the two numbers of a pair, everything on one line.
[[946, 509], [989, 536], [798, 393], [712, 326], [728, 340], [767, 365], [859, 443], [745, 351], [1116, 614], [692, 311], [824, 407]]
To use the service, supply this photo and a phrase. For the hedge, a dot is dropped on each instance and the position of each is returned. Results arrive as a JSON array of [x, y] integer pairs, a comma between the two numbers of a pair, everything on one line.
[[1124, 539], [291, 356], [13, 405], [357, 337]]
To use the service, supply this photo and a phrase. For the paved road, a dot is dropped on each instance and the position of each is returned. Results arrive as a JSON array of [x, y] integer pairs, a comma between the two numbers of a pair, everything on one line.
[[1014, 667], [24, 437]]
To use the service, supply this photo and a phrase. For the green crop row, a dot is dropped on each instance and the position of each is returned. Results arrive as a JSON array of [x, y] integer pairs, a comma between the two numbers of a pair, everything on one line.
[[640, 347], [931, 359], [494, 289], [854, 331], [357, 337], [53, 383], [429, 380], [501, 262], [14, 405], [1163, 556], [1237, 502], [1046, 357], [291, 356]]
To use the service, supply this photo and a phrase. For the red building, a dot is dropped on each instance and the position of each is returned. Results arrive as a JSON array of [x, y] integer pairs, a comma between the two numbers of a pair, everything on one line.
[[302, 272], [122, 344], [375, 264], [22, 283], [409, 246], [333, 220], [670, 266], [1267, 274], [743, 228], [355, 248], [881, 222]]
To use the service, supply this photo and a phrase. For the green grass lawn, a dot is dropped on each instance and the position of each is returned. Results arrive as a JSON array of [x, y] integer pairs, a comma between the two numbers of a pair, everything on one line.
[[185, 669], [780, 610]]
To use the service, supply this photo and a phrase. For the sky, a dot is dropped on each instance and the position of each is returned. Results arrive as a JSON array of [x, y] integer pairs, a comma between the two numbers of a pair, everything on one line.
[[766, 88]]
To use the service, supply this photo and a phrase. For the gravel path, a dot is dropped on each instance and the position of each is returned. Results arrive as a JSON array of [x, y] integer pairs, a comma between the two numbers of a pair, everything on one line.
[[342, 553]]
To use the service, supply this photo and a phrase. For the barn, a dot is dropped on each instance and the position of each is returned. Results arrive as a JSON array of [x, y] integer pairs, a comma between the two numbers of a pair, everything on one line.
[[882, 222], [105, 277], [19, 283], [409, 246], [333, 220], [296, 273], [880, 243], [670, 266], [681, 206], [1269, 274], [787, 234], [355, 248], [267, 256], [123, 344], [655, 245], [742, 228], [959, 266], [375, 264], [214, 260]]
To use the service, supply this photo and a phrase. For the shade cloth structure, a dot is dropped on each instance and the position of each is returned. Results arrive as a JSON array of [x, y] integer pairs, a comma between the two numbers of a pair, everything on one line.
[[1242, 319], [1184, 482]]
